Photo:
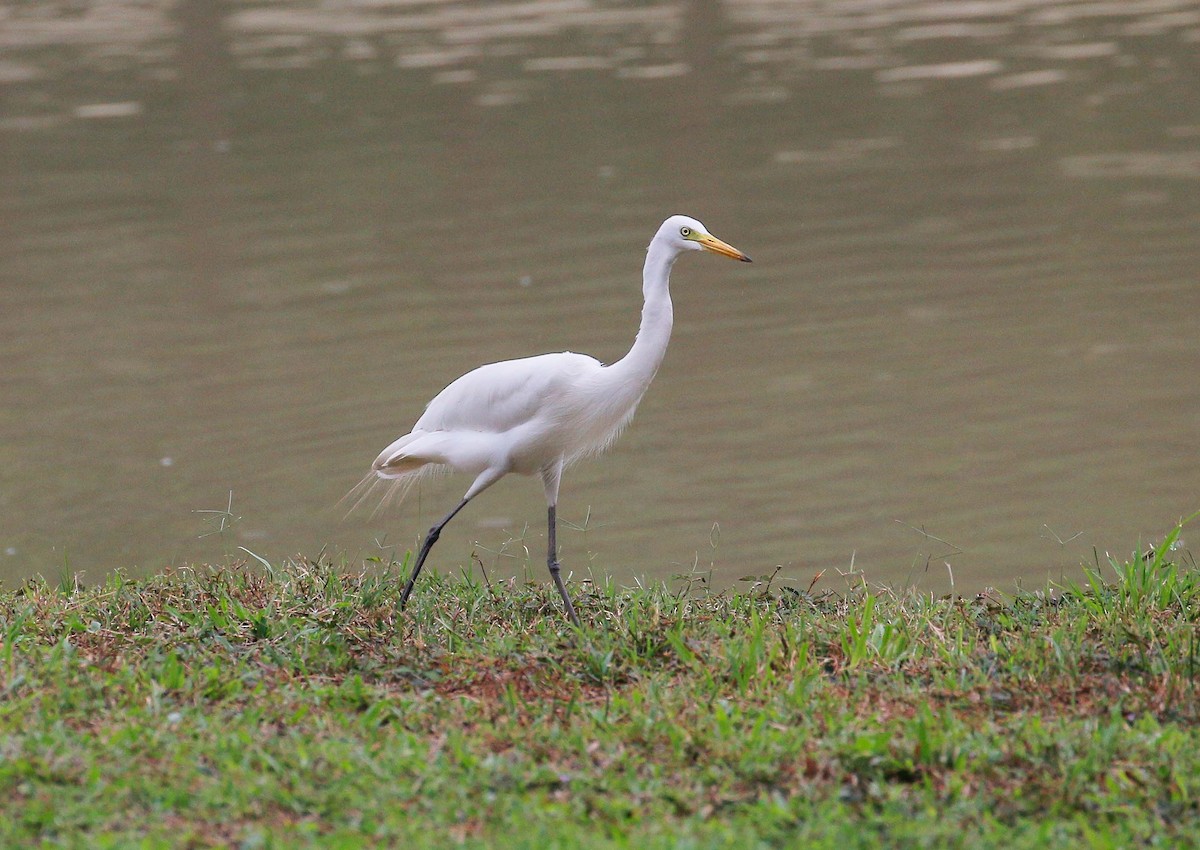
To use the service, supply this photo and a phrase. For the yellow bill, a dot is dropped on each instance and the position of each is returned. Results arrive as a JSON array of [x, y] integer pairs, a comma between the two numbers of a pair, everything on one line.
[[715, 245]]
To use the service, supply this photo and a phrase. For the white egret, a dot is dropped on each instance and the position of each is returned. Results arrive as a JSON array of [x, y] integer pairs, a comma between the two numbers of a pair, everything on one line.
[[537, 415]]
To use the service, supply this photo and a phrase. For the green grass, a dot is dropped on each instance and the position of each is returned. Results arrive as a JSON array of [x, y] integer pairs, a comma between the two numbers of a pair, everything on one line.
[[297, 706]]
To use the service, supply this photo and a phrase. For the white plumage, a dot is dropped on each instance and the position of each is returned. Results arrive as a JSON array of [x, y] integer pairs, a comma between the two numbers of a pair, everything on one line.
[[536, 415], [516, 414]]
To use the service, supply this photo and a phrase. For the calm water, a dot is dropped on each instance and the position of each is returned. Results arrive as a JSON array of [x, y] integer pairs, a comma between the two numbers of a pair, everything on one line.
[[238, 254]]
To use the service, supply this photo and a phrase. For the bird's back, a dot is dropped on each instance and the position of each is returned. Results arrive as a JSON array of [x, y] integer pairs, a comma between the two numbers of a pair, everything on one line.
[[519, 415], [498, 397]]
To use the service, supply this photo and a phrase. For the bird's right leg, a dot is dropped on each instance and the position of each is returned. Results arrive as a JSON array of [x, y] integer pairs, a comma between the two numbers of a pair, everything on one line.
[[551, 476], [430, 539], [555, 568]]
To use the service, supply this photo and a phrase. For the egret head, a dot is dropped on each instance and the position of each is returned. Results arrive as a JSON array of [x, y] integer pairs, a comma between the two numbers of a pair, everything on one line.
[[684, 233]]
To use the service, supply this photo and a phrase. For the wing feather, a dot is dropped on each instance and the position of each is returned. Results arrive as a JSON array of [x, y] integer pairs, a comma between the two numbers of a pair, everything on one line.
[[501, 396]]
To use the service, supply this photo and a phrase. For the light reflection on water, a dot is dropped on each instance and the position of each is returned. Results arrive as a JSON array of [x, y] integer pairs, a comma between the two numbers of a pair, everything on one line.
[[241, 253]]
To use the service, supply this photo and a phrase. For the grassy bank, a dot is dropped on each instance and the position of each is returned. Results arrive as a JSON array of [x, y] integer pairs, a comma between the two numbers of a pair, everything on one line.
[[299, 707]]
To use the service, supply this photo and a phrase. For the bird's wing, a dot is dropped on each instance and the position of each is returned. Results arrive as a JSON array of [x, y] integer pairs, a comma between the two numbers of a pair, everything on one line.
[[501, 396]]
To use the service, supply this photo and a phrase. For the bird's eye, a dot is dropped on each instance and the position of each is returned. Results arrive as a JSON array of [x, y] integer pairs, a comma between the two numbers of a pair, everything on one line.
[[685, 232]]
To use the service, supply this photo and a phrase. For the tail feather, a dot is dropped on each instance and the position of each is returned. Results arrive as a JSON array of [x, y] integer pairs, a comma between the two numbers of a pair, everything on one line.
[[386, 489], [397, 469]]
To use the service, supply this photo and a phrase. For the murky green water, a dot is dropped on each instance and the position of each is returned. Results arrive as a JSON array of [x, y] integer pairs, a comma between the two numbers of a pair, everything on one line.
[[239, 253]]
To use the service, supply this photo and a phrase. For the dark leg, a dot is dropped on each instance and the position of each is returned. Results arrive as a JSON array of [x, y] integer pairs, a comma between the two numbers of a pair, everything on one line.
[[430, 539], [552, 563]]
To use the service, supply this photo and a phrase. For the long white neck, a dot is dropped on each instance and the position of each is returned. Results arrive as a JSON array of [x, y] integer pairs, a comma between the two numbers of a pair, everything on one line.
[[637, 368]]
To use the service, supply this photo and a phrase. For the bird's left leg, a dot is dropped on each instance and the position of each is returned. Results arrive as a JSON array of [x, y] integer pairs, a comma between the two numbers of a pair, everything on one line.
[[486, 479], [430, 539]]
